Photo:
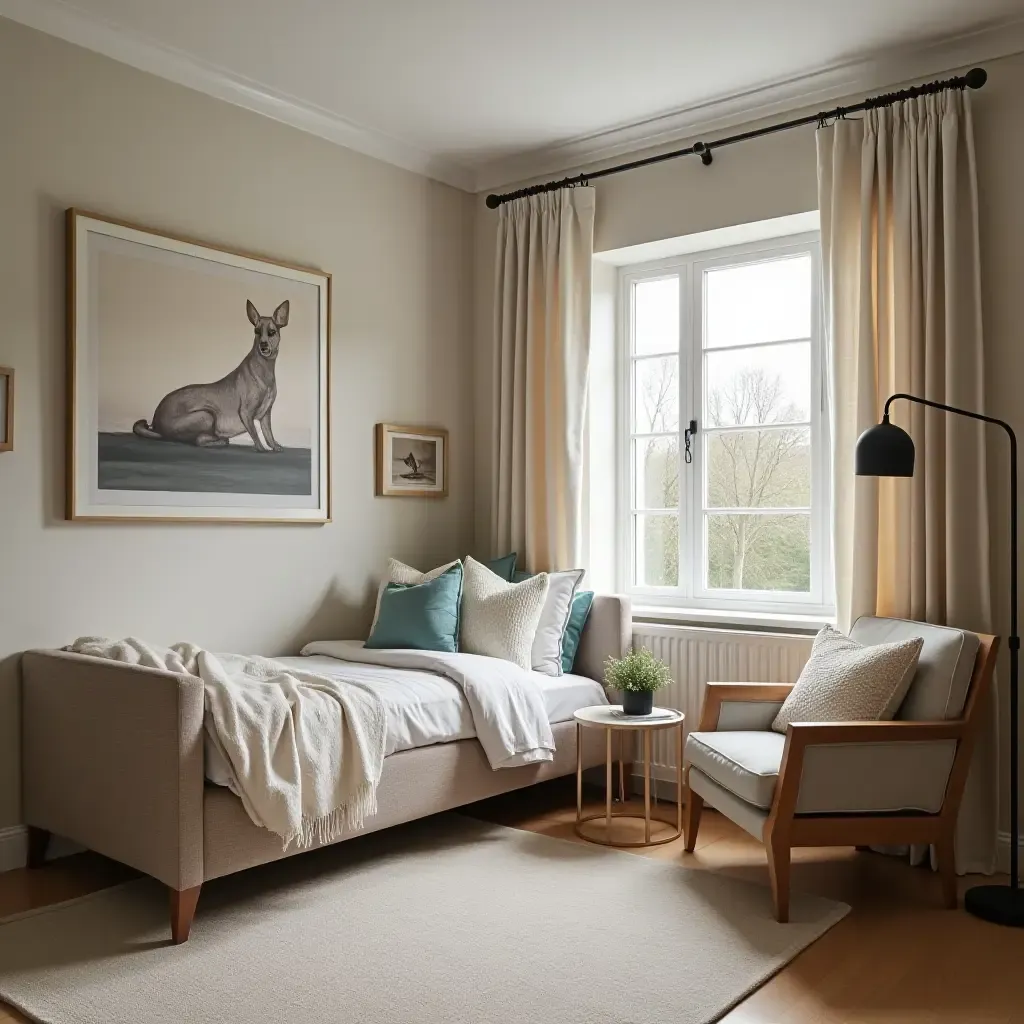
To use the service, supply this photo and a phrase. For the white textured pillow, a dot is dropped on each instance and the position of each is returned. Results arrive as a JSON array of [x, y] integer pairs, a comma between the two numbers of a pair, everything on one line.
[[546, 656], [500, 619], [844, 681], [399, 572]]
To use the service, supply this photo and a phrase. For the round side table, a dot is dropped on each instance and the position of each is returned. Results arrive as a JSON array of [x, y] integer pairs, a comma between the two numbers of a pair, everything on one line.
[[610, 718]]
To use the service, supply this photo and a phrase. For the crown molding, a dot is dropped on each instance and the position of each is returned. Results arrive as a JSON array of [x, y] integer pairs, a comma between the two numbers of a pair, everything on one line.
[[878, 73], [57, 18]]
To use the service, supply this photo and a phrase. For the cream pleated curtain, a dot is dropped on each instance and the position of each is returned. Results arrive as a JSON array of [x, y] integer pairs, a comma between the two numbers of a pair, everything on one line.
[[899, 227], [542, 357]]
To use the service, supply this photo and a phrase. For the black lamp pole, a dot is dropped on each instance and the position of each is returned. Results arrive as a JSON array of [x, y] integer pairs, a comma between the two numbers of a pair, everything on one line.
[[887, 450]]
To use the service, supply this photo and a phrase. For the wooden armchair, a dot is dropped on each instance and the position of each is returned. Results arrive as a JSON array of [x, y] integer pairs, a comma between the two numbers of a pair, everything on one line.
[[849, 783]]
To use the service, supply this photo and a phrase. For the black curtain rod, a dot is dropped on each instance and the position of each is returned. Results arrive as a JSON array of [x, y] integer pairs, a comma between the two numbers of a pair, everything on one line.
[[974, 79]]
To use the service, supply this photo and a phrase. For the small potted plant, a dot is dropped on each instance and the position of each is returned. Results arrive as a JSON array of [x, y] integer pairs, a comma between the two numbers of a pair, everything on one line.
[[639, 675]]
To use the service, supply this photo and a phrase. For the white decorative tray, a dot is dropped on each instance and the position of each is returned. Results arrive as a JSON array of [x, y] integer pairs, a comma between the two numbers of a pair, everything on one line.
[[659, 715]]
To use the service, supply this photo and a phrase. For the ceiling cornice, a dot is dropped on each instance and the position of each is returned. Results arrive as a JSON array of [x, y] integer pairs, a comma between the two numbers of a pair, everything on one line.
[[57, 18], [878, 73]]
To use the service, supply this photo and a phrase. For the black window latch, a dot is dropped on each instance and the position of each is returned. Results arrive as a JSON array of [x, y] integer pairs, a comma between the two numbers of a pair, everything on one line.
[[687, 434]]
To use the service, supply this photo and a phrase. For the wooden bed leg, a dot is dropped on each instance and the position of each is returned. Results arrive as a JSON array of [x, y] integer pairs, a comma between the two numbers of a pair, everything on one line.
[[38, 842], [183, 909]]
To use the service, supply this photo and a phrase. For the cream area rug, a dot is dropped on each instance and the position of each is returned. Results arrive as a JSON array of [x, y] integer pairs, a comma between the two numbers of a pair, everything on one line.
[[444, 920]]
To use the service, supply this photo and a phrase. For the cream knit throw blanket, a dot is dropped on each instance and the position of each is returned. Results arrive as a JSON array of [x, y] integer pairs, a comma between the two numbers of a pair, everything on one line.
[[305, 751]]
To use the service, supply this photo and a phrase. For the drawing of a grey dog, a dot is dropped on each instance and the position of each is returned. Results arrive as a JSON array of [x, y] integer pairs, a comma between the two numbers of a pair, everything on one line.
[[209, 415]]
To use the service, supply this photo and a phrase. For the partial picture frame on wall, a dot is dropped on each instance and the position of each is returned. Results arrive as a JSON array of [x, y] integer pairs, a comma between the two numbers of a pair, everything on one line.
[[199, 380], [410, 462], [6, 409]]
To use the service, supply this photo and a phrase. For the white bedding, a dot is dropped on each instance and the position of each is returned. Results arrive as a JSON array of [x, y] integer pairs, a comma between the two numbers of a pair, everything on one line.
[[424, 708]]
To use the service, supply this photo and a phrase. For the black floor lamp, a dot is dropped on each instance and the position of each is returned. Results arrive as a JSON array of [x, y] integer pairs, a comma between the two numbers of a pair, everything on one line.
[[887, 450]]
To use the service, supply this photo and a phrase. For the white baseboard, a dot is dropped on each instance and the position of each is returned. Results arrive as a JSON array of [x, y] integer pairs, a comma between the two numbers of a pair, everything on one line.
[[14, 847]]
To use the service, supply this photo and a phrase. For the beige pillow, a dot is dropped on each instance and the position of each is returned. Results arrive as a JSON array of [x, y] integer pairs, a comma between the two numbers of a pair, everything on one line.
[[500, 619], [844, 681], [399, 572]]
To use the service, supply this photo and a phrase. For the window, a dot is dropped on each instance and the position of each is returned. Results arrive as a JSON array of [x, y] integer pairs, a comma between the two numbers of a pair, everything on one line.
[[734, 515]]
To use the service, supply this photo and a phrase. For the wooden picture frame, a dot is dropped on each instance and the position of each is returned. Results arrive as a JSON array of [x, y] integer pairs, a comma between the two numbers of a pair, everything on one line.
[[178, 353], [6, 409], [410, 462]]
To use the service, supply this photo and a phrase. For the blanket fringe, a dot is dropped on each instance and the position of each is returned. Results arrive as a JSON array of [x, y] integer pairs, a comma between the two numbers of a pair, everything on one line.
[[348, 818]]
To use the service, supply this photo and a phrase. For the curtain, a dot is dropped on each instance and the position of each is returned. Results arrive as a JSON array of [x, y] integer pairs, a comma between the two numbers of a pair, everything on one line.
[[542, 340], [899, 227]]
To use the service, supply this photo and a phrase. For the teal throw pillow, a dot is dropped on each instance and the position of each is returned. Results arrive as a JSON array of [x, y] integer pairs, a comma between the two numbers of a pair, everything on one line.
[[574, 627], [504, 567], [420, 616]]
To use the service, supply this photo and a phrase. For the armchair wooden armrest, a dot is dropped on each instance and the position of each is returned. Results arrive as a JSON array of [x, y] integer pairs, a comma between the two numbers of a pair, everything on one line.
[[807, 734], [717, 694]]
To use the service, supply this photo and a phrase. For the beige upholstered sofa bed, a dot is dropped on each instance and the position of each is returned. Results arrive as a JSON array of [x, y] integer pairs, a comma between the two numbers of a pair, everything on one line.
[[113, 759]]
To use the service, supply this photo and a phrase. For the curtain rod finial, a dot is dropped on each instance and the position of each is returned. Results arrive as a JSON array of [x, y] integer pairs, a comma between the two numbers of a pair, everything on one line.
[[976, 78], [493, 202]]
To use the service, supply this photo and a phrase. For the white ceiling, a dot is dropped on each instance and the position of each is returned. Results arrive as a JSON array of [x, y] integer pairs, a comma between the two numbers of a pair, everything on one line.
[[463, 88]]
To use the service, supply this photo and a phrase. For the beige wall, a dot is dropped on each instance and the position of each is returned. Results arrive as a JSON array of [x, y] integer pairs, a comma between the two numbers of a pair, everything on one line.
[[775, 176], [80, 130]]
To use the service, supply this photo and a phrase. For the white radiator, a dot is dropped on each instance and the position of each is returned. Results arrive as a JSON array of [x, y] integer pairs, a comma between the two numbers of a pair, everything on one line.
[[701, 655]]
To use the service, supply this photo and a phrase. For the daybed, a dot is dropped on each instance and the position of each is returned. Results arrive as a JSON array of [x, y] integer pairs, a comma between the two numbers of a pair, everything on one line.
[[113, 758]]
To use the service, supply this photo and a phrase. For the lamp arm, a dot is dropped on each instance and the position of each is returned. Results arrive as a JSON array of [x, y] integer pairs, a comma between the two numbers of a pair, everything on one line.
[[960, 412], [1014, 639]]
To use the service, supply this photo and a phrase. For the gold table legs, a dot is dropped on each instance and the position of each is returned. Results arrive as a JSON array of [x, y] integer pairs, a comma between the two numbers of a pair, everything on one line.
[[608, 814]]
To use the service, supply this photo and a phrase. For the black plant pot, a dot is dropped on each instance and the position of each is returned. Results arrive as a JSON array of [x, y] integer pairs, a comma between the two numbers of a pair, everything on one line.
[[637, 703]]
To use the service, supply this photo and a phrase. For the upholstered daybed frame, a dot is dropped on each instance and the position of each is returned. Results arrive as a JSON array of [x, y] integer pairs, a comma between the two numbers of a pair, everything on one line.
[[112, 758]]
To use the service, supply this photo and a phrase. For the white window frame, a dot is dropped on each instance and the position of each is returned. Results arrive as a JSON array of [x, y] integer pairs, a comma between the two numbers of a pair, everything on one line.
[[691, 592]]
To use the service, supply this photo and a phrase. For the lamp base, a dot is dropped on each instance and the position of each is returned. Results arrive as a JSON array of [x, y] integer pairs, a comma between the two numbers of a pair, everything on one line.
[[1000, 904]]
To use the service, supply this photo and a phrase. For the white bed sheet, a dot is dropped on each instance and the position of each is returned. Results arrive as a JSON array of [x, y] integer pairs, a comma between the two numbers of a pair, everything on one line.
[[424, 708]]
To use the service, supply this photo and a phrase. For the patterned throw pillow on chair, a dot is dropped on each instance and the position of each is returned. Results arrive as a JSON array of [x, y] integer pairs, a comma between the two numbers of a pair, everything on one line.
[[844, 681]]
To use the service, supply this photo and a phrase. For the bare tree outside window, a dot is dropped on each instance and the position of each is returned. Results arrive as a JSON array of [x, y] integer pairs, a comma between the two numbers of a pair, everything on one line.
[[657, 400], [768, 468]]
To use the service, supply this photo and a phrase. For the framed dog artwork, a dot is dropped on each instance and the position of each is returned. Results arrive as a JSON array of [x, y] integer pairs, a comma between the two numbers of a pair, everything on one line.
[[410, 462], [199, 383]]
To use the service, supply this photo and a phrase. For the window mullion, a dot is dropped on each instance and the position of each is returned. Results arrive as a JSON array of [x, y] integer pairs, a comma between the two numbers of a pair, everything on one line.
[[691, 345], [738, 428], [767, 510], [683, 376]]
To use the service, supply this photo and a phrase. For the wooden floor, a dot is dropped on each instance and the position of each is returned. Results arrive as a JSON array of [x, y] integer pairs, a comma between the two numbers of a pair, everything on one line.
[[897, 958]]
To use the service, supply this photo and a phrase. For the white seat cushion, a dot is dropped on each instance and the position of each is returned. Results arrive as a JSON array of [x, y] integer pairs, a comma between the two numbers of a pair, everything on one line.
[[745, 763], [944, 669]]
